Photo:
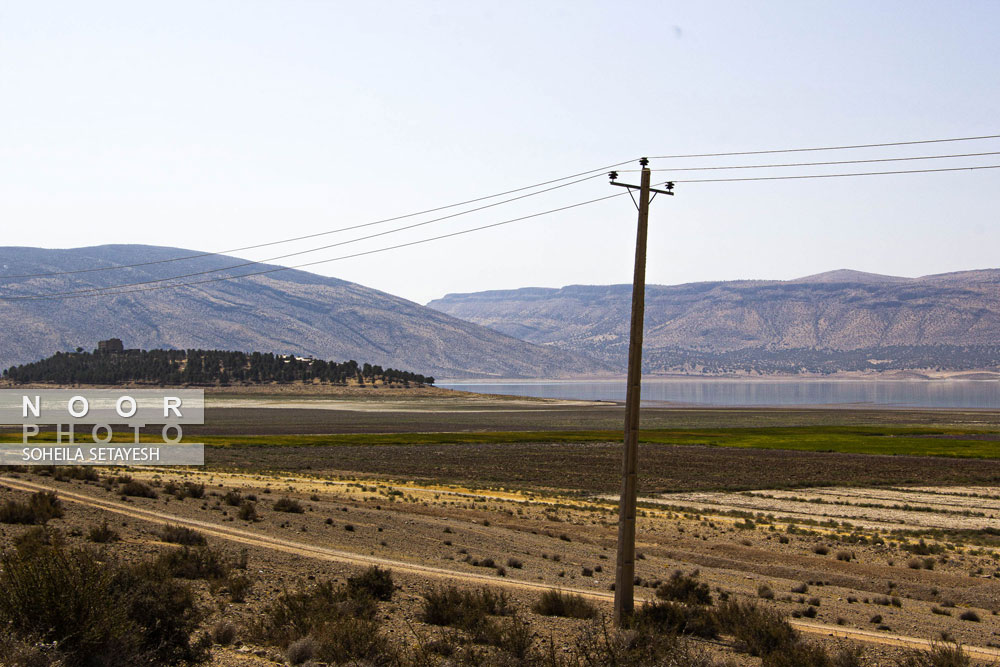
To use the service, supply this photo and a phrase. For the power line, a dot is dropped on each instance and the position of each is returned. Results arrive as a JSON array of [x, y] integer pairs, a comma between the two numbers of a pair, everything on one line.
[[827, 148], [103, 292], [862, 173], [326, 247], [106, 291], [816, 164], [326, 233]]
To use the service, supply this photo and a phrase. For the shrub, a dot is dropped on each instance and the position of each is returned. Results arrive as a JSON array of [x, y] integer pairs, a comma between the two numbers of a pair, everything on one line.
[[845, 556], [136, 489], [39, 509], [921, 548], [301, 651], [198, 563], [821, 550], [182, 535], [351, 640], [639, 648], [239, 586], [684, 588], [224, 633], [801, 588], [940, 655], [336, 626], [571, 605], [373, 582], [766, 592], [514, 563], [233, 498], [969, 615], [38, 538], [97, 612], [192, 490], [797, 654], [760, 631], [675, 618], [288, 505], [302, 613], [103, 534], [514, 636], [460, 608], [247, 511]]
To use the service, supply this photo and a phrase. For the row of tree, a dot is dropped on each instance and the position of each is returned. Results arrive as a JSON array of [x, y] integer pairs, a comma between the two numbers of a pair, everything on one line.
[[203, 367]]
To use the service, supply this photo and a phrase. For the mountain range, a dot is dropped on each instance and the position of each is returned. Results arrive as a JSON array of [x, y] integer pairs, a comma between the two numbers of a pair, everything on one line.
[[835, 321], [287, 311], [840, 320]]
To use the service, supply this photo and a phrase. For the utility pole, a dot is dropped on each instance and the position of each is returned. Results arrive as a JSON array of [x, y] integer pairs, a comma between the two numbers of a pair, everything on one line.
[[625, 567]]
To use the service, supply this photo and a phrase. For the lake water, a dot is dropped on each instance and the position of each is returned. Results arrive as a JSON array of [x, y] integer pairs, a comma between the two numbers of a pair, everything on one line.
[[718, 392]]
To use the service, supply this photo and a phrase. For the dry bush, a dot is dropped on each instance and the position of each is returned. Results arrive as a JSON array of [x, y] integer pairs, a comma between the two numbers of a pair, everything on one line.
[[940, 655], [461, 608], [675, 618], [198, 563], [247, 511], [103, 534], [96, 612], [571, 605], [760, 631], [136, 489], [224, 633], [684, 588], [39, 509], [289, 505], [374, 582], [765, 592], [182, 535], [604, 646]]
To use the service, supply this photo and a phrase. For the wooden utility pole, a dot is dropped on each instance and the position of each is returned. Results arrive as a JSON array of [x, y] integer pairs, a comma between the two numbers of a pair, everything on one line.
[[625, 567]]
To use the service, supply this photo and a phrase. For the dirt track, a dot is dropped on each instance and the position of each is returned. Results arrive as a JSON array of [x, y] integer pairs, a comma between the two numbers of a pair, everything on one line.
[[323, 553]]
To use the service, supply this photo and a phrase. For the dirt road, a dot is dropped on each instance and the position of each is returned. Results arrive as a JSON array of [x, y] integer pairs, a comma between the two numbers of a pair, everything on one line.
[[323, 553]]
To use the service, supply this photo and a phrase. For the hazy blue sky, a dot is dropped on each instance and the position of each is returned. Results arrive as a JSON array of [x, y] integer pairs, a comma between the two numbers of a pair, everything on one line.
[[210, 125]]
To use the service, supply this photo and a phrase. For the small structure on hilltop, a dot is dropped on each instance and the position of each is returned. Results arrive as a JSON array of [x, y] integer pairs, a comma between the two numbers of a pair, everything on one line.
[[111, 346]]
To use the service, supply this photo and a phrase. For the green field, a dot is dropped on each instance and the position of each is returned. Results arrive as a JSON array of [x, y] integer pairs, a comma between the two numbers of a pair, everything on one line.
[[880, 440]]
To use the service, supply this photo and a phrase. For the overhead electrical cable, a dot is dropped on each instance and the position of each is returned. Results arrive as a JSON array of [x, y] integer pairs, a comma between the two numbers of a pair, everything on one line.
[[304, 237], [826, 148], [862, 173], [106, 292], [113, 291], [325, 247], [815, 164]]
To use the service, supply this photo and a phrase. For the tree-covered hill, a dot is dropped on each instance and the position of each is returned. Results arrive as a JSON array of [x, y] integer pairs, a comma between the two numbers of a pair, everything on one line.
[[203, 367]]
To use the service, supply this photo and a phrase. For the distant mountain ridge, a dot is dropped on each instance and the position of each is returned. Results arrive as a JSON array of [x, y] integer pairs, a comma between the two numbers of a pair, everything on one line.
[[831, 312], [285, 312]]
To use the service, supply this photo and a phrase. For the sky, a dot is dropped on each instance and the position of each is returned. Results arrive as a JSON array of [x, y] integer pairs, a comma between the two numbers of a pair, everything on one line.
[[213, 125]]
